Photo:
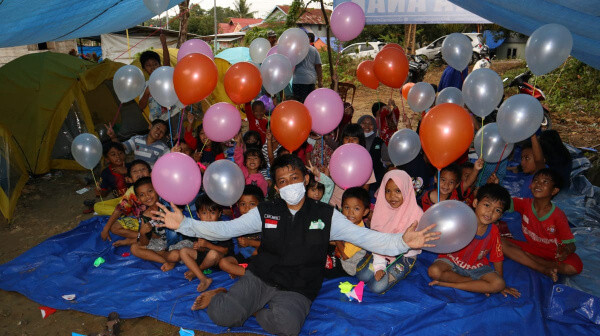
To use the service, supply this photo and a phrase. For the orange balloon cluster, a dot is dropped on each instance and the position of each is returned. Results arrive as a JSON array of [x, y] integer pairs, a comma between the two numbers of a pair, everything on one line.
[[366, 74], [406, 89], [291, 124], [393, 45], [195, 77], [391, 67], [242, 82], [446, 134]]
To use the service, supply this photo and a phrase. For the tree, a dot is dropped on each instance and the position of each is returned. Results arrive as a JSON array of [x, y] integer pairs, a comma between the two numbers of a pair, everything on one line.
[[201, 22], [184, 14], [243, 9]]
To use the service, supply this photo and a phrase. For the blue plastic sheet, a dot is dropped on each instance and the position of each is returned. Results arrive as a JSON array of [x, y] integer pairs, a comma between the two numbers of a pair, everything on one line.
[[132, 287]]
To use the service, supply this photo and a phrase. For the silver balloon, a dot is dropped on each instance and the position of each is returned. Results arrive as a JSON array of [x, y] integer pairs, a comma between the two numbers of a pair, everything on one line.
[[450, 95], [519, 117], [157, 6], [276, 72], [86, 150], [547, 48], [404, 146], [259, 49], [161, 86], [482, 91], [293, 44], [129, 83], [455, 220], [457, 51], [493, 145], [224, 182], [421, 96]]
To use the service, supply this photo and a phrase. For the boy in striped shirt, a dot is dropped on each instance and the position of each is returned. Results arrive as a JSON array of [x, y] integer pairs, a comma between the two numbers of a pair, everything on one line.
[[146, 147]]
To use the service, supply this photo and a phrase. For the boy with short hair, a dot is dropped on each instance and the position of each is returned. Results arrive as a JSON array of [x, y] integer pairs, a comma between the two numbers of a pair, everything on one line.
[[247, 245], [450, 179], [147, 147], [129, 205], [112, 177], [205, 254], [550, 245], [257, 121], [468, 269]]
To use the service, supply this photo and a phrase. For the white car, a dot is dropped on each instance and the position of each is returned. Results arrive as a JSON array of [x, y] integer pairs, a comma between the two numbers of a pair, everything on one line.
[[432, 50], [363, 49]]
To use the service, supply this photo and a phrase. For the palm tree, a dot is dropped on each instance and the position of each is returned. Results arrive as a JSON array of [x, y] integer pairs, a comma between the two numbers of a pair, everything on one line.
[[242, 9]]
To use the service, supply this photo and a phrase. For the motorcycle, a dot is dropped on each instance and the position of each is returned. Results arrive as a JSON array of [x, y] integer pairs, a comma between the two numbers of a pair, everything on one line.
[[417, 68]]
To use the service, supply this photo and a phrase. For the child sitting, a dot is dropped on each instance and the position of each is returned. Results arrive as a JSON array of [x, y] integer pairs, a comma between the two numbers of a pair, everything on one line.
[[549, 247], [355, 206], [450, 179], [395, 210], [320, 186], [468, 269], [387, 119], [252, 165], [147, 147], [152, 241], [112, 177], [205, 254], [257, 121], [129, 205], [246, 245]]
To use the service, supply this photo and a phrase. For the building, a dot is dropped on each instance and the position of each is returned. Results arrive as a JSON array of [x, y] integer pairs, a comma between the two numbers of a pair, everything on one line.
[[312, 19], [512, 47], [238, 24], [11, 53]]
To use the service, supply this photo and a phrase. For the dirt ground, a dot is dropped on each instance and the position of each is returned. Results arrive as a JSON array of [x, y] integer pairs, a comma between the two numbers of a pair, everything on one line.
[[49, 206]]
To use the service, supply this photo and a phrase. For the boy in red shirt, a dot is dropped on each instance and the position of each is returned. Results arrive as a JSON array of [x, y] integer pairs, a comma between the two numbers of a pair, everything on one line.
[[468, 269], [256, 118], [550, 244], [450, 179]]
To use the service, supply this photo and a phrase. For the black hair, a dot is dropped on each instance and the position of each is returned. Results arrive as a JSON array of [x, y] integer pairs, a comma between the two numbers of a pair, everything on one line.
[[141, 182], [553, 175], [162, 122], [204, 202], [357, 192], [495, 192], [255, 152], [148, 55], [311, 37], [355, 131], [216, 148], [280, 150], [376, 107], [312, 183], [257, 103], [255, 134], [117, 145], [555, 152], [291, 97], [138, 162], [454, 169], [467, 165], [252, 190], [287, 160]]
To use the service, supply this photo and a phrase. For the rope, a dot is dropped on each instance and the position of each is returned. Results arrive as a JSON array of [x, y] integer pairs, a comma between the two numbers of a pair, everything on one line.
[[501, 155], [96, 183], [116, 115], [557, 78], [135, 45]]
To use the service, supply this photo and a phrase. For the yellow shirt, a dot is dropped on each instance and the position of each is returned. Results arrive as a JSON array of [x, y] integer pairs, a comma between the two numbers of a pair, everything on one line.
[[351, 249]]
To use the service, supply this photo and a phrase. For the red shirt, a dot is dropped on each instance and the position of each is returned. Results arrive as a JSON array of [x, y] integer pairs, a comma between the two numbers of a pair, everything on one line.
[[259, 125], [475, 254], [546, 232], [427, 203], [386, 127]]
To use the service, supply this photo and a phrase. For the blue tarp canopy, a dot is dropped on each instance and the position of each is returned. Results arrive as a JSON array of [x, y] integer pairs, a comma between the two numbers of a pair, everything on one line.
[[235, 55], [493, 39]]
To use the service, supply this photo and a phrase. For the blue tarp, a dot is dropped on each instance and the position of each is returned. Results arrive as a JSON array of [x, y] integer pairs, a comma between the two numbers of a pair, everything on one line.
[[63, 265], [493, 39], [235, 55], [84, 50]]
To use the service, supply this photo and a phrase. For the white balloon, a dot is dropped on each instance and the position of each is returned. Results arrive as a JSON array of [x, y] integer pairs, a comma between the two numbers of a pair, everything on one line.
[[157, 6], [450, 95], [259, 49], [494, 147], [457, 51], [129, 83], [276, 72], [161, 86], [547, 48], [421, 96], [293, 44]]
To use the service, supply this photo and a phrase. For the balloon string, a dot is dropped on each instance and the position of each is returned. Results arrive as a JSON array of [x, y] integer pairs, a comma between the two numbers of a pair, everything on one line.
[[482, 137], [180, 125], [96, 183], [170, 129], [438, 185], [480, 174], [388, 267], [202, 150], [534, 81], [116, 115], [190, 211], [322, 150], [501, 155], [557, 78]]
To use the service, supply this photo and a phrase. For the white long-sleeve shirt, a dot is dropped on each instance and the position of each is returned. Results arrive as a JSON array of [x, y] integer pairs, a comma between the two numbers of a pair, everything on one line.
[[341, 229]]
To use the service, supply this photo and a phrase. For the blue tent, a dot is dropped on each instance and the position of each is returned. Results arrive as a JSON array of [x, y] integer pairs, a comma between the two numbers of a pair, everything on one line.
[[235, 55]]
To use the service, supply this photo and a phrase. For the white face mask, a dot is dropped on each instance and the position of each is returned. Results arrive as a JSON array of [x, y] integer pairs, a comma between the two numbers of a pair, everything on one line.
[[368, 134], [292, 194]]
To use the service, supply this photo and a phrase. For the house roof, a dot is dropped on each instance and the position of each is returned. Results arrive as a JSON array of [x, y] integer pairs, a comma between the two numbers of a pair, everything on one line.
[[244, 21], [225, 28], [310, 16]]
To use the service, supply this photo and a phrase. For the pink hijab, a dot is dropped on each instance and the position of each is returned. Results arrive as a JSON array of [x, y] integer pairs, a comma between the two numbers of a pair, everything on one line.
[[389, 220]]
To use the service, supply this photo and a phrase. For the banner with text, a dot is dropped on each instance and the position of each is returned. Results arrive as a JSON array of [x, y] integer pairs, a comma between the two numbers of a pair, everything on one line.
[[414, 11]]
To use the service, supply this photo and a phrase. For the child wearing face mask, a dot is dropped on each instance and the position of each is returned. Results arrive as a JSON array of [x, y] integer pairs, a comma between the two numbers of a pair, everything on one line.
[[395, 210]]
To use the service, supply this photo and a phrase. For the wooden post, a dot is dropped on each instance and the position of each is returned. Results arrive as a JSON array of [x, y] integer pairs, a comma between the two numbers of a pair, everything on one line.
[[334, 81]]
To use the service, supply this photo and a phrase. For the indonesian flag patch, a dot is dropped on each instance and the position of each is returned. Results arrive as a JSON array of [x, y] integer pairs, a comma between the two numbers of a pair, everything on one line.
[[270, 223]]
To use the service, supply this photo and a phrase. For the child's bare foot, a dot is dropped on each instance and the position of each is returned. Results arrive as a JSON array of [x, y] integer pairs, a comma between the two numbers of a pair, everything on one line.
[[233, 276], [167, 266], [203, 300], [552, 273], [189, 275], [204, 284], [434, 283], [124, 242]]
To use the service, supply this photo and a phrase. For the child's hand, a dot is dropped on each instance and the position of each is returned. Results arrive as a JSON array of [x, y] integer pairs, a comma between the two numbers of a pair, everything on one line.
[[564, 250], [325, 170], [200, 243], [510, 291], [493, 179], [391, 102], [196, 156], [269, 136], [105, 234], [238, 139], [418, 239], [163, 38], [314, 170], [171, 219], [98, 191], [379, 274], [110, 131], [146, 227], [479, 164], [243, 242], [176, 149]]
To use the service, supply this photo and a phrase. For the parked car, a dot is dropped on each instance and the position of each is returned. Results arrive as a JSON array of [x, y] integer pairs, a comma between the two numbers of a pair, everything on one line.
[[433, 50], [363, 49]]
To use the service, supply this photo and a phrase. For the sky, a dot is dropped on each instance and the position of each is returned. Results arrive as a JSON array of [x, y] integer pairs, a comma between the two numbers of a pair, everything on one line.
[[262, 7]]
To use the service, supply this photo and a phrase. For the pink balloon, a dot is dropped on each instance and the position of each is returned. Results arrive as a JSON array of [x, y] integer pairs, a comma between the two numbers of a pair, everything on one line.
[[272, 51], [176, 178], [195, 46], [347, 21], [350, 166], [221, 122], [326, 109]]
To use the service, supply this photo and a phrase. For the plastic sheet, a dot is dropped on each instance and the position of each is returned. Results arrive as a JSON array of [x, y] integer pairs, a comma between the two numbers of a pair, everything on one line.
[[64, 265]]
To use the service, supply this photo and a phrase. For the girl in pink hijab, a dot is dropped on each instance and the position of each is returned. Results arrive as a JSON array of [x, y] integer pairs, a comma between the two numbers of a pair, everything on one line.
[[395, 210]]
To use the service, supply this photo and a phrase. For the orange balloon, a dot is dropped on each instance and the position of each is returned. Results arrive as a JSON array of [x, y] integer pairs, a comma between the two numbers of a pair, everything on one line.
[[195, 77], [291, 124], [446, 134], [393, 45], [366, 74], [391, 67], [242, 82], [406, 89]]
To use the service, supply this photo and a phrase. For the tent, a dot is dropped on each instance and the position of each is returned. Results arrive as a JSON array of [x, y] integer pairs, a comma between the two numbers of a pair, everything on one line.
[[47, 100]]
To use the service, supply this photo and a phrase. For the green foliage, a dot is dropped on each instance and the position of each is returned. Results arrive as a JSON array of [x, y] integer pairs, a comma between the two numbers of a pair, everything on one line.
[[200, 22], [344, 66], [296, 9], [256, 32], [242, 9]]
